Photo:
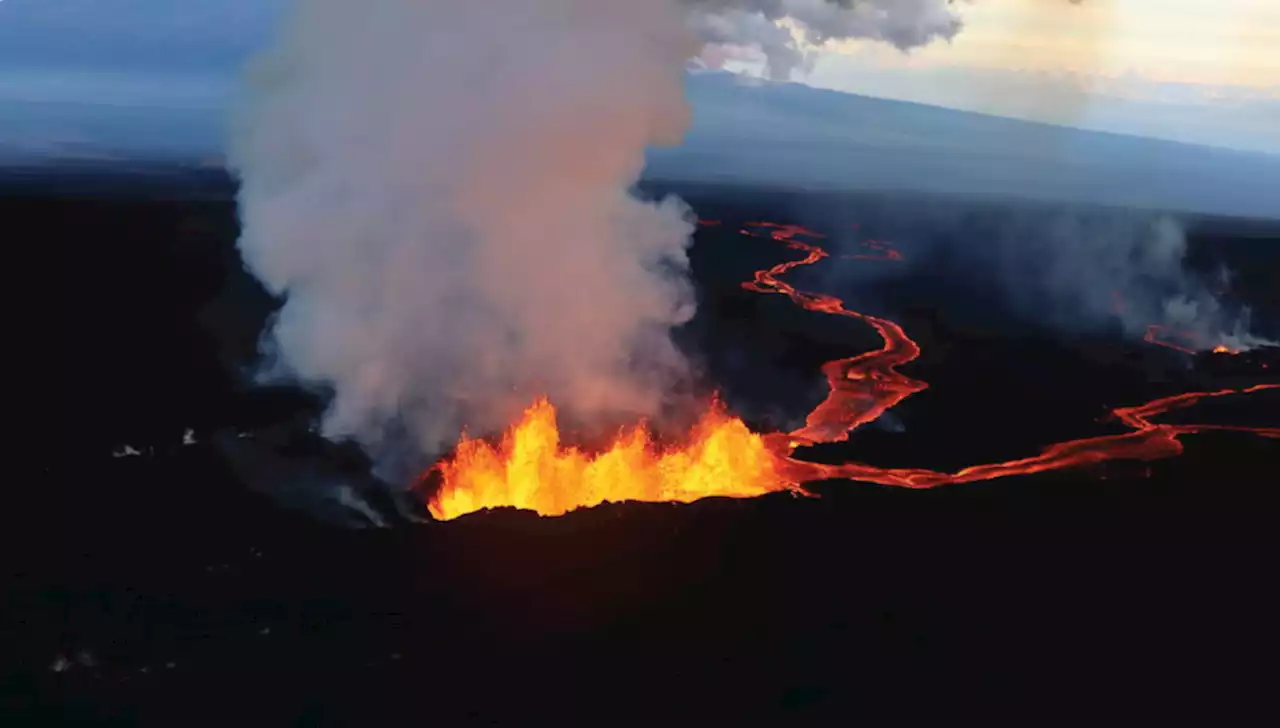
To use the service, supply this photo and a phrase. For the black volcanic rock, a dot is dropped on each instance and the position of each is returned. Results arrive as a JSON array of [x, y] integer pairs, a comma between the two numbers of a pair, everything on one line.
[[330, 482], [1259, 363]]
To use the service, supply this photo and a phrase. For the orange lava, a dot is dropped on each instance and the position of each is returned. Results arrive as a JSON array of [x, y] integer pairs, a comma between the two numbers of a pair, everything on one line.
[[863, 386], [1148, 441], [1180, 341], [1186, 342], [1161, 336], [530, 468], [880, 250]]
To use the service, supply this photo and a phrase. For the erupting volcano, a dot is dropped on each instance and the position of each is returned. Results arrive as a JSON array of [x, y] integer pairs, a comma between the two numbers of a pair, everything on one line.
[[530, 469], [1185, 342]]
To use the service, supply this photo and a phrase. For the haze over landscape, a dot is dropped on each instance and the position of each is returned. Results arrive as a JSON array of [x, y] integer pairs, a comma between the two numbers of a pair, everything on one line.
[[150, 80]]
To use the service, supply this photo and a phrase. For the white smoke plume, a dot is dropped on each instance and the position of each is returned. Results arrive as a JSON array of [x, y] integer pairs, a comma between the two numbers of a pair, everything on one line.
[[1075, 269], [1088, 268], [439, 190]]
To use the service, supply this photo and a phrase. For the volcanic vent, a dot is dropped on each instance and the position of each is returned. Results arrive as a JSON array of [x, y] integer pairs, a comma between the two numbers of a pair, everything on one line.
[[531, 469]]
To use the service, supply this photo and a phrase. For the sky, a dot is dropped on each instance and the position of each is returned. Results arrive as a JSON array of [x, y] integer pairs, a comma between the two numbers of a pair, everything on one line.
[[1205, 71], [1195, 70], [1208, 42]]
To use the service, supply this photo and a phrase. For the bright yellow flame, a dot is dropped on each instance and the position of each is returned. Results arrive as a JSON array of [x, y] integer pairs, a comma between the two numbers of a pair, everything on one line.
[[529, 469]]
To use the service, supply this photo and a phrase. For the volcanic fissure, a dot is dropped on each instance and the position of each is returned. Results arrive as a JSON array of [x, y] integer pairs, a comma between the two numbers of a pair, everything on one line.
[[530, 468]]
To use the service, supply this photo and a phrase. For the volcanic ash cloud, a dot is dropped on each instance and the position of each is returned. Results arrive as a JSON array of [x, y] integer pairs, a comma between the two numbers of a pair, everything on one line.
[[439, 191]]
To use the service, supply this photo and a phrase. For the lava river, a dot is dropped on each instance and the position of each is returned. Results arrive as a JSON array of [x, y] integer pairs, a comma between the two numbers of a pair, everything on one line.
[[530, 468]]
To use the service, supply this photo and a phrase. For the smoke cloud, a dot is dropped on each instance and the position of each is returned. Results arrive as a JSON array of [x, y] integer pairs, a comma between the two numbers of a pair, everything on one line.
[[728, 25], [1076, 269], [1081, 270], [439, 192]]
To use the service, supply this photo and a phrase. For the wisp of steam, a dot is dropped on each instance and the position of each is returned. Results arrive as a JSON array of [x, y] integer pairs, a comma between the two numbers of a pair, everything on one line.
[[439, 192], [1070, 268]]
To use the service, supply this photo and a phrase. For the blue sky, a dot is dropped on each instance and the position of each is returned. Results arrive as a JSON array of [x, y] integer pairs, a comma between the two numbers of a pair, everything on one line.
[[140, 36], [1204, 71]]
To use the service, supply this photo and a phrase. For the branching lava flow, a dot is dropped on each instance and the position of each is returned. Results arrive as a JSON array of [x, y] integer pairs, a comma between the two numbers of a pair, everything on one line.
[[530, 469]]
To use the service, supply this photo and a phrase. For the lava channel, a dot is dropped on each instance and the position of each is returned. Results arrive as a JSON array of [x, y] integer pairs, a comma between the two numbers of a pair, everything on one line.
[[529, 468], [1187, 342]]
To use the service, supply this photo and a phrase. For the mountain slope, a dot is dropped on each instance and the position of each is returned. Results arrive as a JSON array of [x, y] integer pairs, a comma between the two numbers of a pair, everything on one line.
[[791, 134]]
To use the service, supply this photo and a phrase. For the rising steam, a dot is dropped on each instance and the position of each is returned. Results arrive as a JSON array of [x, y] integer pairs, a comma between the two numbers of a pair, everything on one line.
[[1075, 269], [439, 191], [1079, 269]]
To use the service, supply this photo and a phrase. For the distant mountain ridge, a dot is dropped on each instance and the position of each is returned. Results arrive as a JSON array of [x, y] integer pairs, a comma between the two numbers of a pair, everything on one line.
[[818, 102], [760, 133], [791, 134]]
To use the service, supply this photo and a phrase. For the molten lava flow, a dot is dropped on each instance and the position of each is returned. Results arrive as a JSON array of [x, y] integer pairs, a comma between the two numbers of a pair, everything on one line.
[[862, 387], [1161, 336], [779, 232], [530, 469], [1187, 342], [1148, 441], [880, 250], [1183, 341]]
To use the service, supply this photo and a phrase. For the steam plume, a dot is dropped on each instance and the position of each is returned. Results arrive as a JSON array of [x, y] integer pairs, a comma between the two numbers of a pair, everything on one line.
[[1079, 269], [440, 192], [1072, 269]]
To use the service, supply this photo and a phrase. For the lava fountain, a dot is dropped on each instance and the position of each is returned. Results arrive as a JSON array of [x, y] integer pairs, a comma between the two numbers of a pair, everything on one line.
[[531, 469]]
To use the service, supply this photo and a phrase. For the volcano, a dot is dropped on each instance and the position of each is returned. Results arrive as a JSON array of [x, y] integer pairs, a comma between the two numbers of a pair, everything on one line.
[[199, 554], [531, 470]]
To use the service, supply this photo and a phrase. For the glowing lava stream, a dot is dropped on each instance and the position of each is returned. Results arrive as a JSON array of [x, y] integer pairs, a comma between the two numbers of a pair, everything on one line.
[[530, 469], [1160, 335]]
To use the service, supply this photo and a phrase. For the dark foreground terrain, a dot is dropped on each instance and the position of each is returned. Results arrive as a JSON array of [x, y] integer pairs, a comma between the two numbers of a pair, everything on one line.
[[172, 587]]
